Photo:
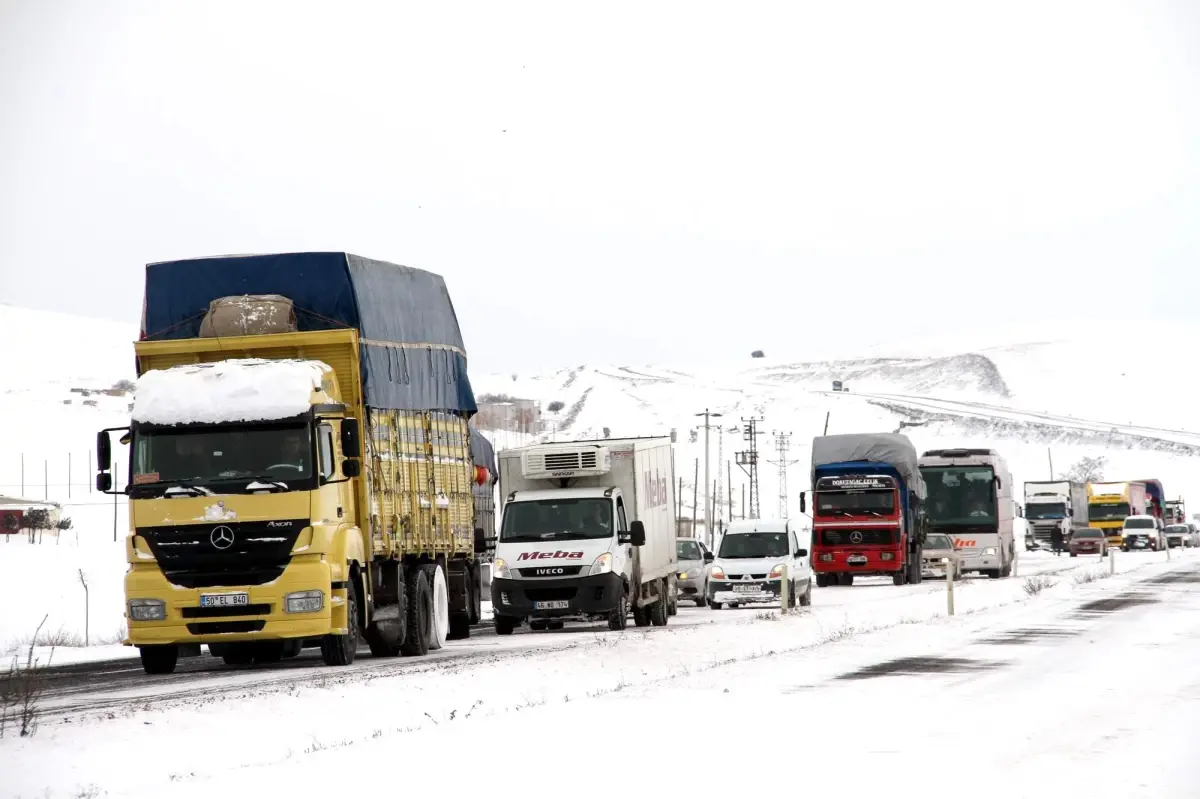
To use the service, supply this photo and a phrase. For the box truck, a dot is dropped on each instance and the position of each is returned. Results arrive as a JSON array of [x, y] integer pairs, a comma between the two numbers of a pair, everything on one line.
[[587, 533]]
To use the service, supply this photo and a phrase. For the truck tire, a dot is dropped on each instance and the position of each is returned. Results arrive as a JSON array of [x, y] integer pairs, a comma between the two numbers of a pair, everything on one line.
[[504, 624], [845, 579], [439, 626], [899, 578], [159, 659], [715, 605], [641, 616], [660, 610], [618, 619], [673, 607], [420, 614], [339, 650], [475, 601], [460, 627], [806, 597]]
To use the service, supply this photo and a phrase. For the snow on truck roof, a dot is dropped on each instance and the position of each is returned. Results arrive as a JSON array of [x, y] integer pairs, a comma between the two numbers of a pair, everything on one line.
[[891, 449], [242, 390]]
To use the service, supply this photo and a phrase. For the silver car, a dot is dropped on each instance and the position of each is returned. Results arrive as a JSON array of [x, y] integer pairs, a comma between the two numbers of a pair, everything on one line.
[[936, 547], [693, 559]]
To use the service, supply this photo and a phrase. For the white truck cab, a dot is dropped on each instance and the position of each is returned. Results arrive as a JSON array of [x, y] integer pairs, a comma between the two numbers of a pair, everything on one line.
[[750, 562]]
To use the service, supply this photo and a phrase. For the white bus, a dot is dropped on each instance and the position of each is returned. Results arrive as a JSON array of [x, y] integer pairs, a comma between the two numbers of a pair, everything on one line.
[[971, 500]]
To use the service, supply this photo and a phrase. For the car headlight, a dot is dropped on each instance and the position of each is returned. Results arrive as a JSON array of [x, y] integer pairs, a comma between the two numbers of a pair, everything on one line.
[[717, 573], [777, 572], [147, 609], [990, 551], [602, 564], [500, 569], [304, 601], [683, 575]]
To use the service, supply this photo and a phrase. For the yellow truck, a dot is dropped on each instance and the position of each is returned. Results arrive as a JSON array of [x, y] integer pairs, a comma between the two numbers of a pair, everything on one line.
[[1110, 503], [300, 471]]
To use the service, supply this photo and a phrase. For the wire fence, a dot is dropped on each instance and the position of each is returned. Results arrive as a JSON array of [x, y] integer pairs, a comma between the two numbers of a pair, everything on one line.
[[67, 480]]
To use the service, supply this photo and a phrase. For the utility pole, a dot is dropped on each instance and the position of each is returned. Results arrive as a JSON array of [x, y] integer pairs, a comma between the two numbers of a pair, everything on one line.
[[707, 507], [747, 461], [695, 488], [729, 486], [782, 463], [1050, 457], [826, 431]]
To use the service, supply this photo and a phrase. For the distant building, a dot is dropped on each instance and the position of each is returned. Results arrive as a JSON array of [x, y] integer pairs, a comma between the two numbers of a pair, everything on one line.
[[17, 507], [508, 413]]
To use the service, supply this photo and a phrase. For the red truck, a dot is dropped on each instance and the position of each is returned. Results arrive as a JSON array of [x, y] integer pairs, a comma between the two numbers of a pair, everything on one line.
[[867, 508]]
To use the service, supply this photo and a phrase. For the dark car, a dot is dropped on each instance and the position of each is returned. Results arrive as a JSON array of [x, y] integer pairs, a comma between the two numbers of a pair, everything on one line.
[[1088, 541]]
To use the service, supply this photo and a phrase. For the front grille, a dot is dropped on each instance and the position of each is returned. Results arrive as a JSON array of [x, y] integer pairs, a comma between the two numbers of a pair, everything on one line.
[[226, 612], [871, 537], [221, 627], [746, 576], [549, 594], [190, 557], [550, 571]]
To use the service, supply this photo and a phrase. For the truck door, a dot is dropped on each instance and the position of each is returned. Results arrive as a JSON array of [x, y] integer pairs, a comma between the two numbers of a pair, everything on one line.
[[623, 563]]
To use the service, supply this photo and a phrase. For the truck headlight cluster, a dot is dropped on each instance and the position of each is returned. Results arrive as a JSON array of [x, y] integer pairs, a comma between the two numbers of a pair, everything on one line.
[[602, 564], [500, 569], [147, 609], [304, 602]]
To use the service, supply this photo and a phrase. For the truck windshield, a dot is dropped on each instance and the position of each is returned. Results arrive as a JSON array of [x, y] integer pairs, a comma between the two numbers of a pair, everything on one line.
[[1049, 510], [278, 456], [960, 495], [1114, 511], [754, 545], [557, 519], [856, 503]]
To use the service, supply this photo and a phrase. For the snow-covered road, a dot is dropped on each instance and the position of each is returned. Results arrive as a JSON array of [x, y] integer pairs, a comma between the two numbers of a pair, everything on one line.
[[1012, 692]]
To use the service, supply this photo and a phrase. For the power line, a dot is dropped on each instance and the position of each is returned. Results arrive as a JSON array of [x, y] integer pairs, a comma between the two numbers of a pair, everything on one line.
[[782, 463], [747, 460]]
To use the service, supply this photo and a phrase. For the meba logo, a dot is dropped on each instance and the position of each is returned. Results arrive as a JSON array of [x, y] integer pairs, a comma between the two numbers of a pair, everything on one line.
[[655, 489], [559, 554]]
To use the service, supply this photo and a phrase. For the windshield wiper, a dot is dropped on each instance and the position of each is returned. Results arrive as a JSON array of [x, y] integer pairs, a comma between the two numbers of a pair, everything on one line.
[[265, 484], [187, 487]]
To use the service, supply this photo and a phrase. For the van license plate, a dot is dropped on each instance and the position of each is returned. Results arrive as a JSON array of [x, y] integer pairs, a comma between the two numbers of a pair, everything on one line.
[[857, 560], [553, 604], [224, 600], [746, 589]]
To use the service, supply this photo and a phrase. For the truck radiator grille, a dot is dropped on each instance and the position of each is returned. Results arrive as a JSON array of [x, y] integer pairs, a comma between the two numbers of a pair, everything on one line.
[[202, 556], [222, 613], [222, 627], [870, 537], [550, 571]]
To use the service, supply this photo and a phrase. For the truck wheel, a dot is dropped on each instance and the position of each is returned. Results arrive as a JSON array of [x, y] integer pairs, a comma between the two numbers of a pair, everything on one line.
[[460, 627], [475, 602], [673, 607], [899, 578], [159, 659], [845, 579], [504, 624], [641, 617], [715, 605], [439, 626], [420, 614], [339, 650], [660, 610], [618, 619], [701, 600]]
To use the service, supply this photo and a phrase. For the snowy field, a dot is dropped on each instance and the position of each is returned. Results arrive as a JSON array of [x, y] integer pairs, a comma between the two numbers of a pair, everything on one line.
[[753, 685]]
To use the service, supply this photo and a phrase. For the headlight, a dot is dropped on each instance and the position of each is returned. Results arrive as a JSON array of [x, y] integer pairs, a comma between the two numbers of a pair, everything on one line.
[[602, 564], [826, 557], [683, 575], [886, 555], [500, 569], [990, 551], [147, 609], [717, 573], [304, 602], [777, 572]]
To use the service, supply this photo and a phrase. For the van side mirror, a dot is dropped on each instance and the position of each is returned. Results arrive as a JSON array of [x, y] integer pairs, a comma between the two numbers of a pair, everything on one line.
[[803, 509], [351, 467], [351, 444], [636, 535], [802, 552], [708, 557]]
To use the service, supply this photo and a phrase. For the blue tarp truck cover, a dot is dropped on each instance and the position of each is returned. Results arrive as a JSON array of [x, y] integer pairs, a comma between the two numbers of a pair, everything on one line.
[[413, 356]]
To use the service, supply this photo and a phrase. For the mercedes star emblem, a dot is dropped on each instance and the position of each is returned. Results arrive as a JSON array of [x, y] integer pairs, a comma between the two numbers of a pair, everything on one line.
[[222, 537], [856, 537]]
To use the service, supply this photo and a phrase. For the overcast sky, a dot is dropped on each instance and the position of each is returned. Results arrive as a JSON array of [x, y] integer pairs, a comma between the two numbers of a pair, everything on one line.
[[622, 182]]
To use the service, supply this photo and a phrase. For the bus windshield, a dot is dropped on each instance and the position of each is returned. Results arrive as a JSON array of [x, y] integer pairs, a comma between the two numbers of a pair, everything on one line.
[[960, 495], [855, 503]]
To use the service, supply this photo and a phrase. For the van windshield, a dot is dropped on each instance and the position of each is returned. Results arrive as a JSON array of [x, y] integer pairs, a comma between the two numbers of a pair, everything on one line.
[[1139, 524], [557, 520], [754, 545]]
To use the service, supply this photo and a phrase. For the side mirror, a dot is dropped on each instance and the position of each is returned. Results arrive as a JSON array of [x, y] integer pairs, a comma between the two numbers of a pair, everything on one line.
[[636, 535], [103, 451], [351, 445], [803, 509], [104, 482], [708, 557], [802, 552], [351, 467]]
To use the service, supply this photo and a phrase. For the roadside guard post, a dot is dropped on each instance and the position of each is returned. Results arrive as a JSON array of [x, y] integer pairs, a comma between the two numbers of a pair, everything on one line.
[[783, 590], [949, 587], [1016, 560], [1112, 562]]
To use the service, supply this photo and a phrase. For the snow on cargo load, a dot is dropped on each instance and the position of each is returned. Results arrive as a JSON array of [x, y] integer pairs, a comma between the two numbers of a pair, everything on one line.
[[245, 390]]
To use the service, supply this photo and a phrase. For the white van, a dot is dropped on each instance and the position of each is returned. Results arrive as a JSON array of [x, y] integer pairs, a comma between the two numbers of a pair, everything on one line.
[[1141, 532], [750, 562]]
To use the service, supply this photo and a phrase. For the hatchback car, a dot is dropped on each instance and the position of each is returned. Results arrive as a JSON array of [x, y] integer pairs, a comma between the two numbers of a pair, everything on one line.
[[693, 559], [1088, 541], [937, 547], [1178, 535]]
